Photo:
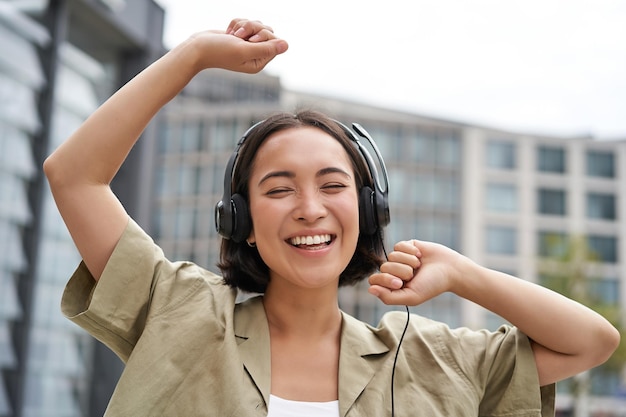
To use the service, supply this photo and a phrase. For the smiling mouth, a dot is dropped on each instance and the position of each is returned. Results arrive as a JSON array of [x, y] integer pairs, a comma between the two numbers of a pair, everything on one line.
[[311, 242]]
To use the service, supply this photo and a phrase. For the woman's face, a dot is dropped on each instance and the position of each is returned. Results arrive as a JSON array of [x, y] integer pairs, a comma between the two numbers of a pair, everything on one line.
[[304, 207]]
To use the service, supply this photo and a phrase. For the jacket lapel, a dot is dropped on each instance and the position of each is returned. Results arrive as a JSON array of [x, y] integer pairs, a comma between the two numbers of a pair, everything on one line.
[[362, 353], [253, 338]]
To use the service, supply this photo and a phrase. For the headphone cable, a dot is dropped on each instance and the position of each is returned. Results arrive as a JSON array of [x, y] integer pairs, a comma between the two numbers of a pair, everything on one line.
[[395, 360], [406, 326]]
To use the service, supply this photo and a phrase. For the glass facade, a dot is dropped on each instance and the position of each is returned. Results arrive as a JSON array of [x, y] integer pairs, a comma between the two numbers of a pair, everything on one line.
[[21, 80], [60, 353], [48, 86]]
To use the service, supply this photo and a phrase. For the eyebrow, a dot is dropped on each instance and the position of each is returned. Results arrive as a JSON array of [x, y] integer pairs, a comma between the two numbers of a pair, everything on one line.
[[291, 174]]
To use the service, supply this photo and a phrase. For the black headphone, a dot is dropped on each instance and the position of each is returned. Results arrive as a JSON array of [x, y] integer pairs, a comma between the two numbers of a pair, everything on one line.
[[232, 217]]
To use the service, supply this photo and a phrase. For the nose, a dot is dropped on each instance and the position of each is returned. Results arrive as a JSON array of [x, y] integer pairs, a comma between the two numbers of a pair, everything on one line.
[[310, 206]]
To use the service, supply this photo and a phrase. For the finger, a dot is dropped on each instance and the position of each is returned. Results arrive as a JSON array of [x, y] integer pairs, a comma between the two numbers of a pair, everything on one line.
[[401, 270], [385, 280], [245, 29], [408, 246], [260, 54], [398, 297], [404, 258]]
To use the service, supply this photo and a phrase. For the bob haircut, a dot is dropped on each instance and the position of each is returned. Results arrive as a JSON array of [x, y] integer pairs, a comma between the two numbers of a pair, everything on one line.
[[241, 265]]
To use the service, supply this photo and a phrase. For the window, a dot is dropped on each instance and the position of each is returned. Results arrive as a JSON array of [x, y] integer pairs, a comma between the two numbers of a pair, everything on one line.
[[448, 148], [600, 164], [420, 147], [501, 155], [551, 202], [605, 291], [501, 240], [191, 135], [552, 244], [551, 159], [605, 247], [501, 198], [601, 206]]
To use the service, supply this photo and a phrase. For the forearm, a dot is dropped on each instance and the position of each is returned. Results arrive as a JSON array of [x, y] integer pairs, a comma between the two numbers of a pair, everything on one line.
[[548, 318]]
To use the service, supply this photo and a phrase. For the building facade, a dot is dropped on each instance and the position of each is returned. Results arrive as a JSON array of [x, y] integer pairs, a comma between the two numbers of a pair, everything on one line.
[[60, 59]]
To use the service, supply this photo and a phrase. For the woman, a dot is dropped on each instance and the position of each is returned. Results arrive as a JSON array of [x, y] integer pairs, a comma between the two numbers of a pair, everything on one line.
[[191, 350]]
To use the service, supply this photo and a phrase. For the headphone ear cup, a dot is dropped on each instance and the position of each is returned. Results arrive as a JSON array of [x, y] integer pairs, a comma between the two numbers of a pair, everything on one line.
[[242, 224], [367, 211]]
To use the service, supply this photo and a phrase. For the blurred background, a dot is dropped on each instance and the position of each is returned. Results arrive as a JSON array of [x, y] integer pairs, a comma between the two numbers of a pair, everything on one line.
[[501, 123]]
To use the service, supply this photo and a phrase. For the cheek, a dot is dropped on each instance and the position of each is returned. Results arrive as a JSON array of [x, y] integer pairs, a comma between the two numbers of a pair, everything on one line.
[[347, 211]]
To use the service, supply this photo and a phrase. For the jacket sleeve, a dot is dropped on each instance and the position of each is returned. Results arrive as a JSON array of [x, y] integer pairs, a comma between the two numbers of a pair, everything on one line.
[[138, 282]]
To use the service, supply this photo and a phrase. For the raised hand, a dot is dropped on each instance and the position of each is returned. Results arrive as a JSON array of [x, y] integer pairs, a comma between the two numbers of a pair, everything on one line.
[[415, 272]]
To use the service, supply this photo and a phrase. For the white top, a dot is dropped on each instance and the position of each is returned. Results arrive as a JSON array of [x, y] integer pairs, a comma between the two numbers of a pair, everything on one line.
[[280, 407]]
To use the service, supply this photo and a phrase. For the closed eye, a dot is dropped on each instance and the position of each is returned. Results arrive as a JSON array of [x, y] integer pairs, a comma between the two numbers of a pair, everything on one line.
[[336, 187], [278, 191]]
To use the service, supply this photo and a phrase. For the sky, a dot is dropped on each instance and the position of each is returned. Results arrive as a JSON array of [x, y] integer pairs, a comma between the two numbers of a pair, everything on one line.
[[555, 67]]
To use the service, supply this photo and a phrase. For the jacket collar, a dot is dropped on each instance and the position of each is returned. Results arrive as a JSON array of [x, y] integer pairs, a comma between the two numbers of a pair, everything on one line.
[[360, 355]]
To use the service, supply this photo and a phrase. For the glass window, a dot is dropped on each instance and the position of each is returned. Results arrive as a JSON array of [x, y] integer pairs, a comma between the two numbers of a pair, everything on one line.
[[551, 159], [446, 193], [20, 58], [168, 137], [501, 198], [421, 147], [552, 244], [448, 149], [501, 240], [185, 222], [190, 136], [600, 164], [601, 206], [5, 406], [15, 152], [605, 247], [397, 192], [501, 154], [18, 104], [7, 356], [14, 199], [550, 201], [606, 291], [423, 190], [9, 303]]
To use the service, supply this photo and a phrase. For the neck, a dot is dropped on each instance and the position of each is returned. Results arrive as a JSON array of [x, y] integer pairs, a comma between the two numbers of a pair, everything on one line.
[[310, 312]]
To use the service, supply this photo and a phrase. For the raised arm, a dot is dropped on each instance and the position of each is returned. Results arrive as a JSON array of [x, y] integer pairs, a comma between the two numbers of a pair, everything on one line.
[[81, 169], [567, 337]]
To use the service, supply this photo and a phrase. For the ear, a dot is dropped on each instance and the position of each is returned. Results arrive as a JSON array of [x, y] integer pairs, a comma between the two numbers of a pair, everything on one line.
[[251, 240]]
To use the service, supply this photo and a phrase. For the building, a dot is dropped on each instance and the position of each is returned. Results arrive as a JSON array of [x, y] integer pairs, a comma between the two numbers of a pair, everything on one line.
[[60, 60]]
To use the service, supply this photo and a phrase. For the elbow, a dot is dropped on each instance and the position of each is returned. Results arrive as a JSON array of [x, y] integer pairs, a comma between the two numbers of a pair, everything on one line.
[[608, 341], [55, 172], [50, 168]]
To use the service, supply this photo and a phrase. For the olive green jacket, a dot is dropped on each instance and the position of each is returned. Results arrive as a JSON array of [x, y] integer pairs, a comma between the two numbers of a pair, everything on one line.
[[191, 350]]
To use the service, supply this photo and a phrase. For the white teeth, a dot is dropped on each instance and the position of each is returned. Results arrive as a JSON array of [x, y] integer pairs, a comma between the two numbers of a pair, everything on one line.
[[309, 240]]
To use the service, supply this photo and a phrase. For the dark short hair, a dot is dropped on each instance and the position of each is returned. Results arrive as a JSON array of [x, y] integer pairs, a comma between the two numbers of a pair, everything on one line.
[[241, 265]]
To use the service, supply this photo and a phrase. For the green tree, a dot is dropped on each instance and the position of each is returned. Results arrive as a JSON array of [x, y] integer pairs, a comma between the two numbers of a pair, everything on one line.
[[569, 266]]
